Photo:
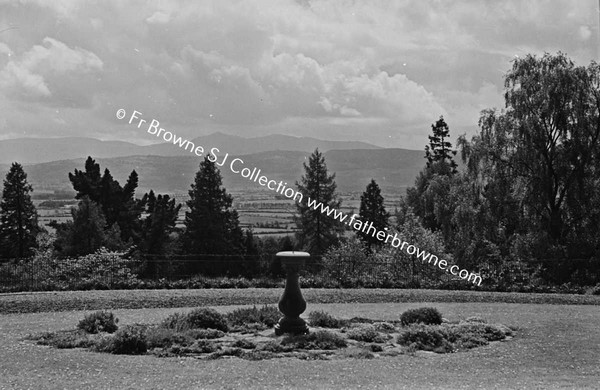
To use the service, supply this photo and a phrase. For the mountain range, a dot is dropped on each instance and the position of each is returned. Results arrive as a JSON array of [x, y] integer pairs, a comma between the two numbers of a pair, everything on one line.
[[167, 168], [39, 150]]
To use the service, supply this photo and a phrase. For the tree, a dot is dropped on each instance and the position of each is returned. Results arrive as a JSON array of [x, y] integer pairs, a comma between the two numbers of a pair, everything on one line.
[[318, 231], [87, 232], [439, 151], [159, 223], [212, 225], [372, 210], [547, 146], [428, 198], [18, 217], [117, 202]]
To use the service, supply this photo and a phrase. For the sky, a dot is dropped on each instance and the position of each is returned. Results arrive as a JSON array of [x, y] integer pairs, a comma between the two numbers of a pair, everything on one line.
[[375, 71]]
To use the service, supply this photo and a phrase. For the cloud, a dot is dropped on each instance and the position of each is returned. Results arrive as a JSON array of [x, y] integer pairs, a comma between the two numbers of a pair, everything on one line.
[[27, 77], [378, 71]]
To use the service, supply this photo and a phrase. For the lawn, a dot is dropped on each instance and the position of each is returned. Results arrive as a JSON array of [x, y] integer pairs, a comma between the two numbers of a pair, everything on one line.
[[557, 346]]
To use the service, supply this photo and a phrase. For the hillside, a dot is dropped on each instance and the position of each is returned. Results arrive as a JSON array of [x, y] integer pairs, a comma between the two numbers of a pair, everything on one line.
[[393, 169]]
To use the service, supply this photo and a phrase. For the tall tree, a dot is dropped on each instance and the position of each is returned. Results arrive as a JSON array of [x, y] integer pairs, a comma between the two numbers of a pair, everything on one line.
[[372, 211], [439, 151], [87, 232], [428, 197], [18, 217], [212, 225], [159, 223], [547, 144], [117, 202], [318, 231]]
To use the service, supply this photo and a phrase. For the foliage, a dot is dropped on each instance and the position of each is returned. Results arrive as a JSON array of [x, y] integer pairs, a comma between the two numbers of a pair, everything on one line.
[[206, 318], [244, 344], [321, 339], [346, 259], [158, 224], [439, 150], [161, 337], [367, 333], [426, 338], [18, 216], [117, 202], [211, 223], [266, 315], [129, 340], [100, 321], [324, 320], [372, 211], [87, 232], [318, 231], [423, 315]]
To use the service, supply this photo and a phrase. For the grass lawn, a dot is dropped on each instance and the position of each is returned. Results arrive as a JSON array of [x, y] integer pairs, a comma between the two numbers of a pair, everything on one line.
[[557, 346]]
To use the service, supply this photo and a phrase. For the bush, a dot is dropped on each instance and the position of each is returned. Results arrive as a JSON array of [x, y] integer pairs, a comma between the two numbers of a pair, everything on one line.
[[424, 315], [367, 334], [159, 337], [321, 339], [426, 338], [266, 315], [202, 318], [100, 321], [205, 333], [64, 339], [205, 318], [243, 343], [130, 340], [324, 320]]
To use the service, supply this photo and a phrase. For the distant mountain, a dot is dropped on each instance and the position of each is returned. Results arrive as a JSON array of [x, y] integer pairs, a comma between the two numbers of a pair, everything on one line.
[[40, 150], [393, 169]]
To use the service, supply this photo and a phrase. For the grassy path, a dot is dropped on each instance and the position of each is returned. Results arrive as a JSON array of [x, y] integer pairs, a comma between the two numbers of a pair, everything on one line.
[[137, 299]]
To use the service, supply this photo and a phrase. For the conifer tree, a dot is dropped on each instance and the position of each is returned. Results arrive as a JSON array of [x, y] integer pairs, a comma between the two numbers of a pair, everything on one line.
[[18, 217], [160, 222], [372, 211], [439, 151], [318, 231], [212, 225]]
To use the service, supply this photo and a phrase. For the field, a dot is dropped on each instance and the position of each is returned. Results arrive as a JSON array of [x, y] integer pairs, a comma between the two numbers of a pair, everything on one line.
[[557, 343], [268, 215]]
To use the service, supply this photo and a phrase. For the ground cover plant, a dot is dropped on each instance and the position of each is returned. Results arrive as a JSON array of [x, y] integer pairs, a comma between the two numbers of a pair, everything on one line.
[[247, 333]]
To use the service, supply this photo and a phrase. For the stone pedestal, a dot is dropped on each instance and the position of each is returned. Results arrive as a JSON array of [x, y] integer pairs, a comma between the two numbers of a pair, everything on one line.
[[292, 304]]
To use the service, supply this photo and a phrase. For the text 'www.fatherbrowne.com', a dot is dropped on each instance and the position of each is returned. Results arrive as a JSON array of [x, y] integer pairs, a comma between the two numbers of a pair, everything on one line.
[[236, 165]]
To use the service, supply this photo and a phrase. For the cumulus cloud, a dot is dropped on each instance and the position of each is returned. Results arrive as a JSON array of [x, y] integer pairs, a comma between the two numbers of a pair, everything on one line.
[[377, 71], [26, 76]]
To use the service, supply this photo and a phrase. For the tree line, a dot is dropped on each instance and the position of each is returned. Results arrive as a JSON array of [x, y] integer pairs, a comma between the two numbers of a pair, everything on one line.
[[528, 189]]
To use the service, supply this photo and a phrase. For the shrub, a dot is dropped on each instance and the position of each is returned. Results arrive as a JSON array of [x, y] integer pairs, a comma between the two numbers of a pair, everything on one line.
[[159, 337], [175, 321], [64, 339], [426, 338], [205, 318], [384, 327], [243, 343], [324, 320], [130, 340], [202, 318], [376, 348], [100, 321], [367, 334], [321, 339], [266, 315], [424, 315], [205, 333]]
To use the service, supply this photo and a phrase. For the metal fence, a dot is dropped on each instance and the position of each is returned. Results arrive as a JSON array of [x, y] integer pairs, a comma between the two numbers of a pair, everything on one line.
[[106, 272]]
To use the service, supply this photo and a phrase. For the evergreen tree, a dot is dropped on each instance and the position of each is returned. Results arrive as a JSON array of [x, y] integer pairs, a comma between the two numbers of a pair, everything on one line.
[[439, 151], [372, 211], [159, 224], [117, 202], [212, 225], [18, 217], [428, 197], [87, 232], [318, 231]]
